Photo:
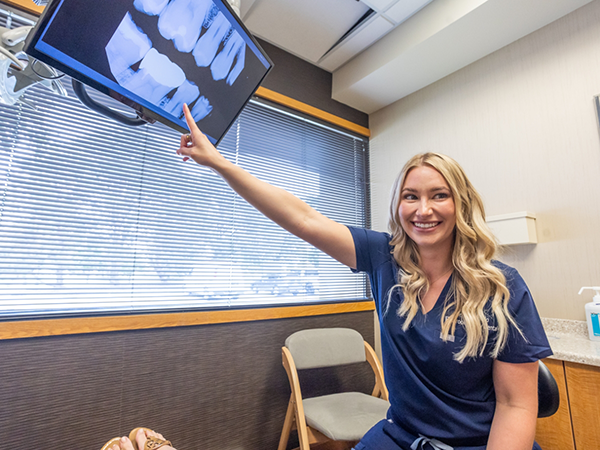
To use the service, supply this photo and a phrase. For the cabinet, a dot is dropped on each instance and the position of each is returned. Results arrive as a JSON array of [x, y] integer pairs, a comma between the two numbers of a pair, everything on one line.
[[576, 424], [583, 387], [555, 432]]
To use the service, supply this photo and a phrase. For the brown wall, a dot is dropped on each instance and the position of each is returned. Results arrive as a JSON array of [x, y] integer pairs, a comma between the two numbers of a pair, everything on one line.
[[307, 83], [209, 387]]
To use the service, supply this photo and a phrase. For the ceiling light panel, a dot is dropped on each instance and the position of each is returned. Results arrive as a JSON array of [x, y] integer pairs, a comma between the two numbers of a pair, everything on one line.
[[379, 5], [307, 28], [364, 37], [404, 9]]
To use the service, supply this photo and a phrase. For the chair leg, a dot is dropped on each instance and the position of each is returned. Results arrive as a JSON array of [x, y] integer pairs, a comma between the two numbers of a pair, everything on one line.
[[287, 426]]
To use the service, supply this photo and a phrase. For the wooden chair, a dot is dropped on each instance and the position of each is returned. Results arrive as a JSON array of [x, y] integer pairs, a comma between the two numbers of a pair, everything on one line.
[[341, 417]]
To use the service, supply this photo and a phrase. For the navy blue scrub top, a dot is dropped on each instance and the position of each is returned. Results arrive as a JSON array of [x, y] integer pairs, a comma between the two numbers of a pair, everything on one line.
[[431, 394]]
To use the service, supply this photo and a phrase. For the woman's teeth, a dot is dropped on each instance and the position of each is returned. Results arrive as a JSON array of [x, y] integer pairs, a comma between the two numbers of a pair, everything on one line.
[[425, 225]]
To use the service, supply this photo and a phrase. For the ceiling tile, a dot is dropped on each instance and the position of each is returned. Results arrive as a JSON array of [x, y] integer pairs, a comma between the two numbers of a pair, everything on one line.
[[245, 6], [307, 28]]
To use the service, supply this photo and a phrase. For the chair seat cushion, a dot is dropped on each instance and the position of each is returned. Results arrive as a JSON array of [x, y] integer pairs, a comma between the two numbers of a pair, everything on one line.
[[346, 416]]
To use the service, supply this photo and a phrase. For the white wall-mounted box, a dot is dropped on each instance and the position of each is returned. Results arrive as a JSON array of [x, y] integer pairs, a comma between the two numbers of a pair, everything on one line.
[[514, 229]]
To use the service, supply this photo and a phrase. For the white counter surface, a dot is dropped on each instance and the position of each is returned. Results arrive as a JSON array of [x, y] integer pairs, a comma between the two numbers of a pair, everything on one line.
[[570, 342]]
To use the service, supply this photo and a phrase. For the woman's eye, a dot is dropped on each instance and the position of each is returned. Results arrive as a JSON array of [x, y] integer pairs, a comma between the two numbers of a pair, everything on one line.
[[441, 195], [409, 197]]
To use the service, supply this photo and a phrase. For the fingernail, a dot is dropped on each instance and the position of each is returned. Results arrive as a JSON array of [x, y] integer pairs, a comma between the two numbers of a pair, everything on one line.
[[185, 159]]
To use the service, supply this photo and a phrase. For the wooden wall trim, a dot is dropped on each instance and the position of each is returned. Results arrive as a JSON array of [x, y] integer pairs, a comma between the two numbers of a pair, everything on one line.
[[57, 327], [284, 100], [25, 5]]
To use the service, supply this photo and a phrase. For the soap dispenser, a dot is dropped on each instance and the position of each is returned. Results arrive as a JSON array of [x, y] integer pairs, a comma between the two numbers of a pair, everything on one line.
[[592, 313]]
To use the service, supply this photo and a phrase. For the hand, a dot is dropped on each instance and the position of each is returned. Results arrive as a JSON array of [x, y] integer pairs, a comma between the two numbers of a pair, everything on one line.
[[196, 145]]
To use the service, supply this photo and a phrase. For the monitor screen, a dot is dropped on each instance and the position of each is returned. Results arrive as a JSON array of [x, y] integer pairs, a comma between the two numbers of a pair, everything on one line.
[[156, 55]]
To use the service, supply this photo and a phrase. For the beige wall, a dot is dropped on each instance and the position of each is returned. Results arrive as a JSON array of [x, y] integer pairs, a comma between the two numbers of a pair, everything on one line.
[[523, 125]]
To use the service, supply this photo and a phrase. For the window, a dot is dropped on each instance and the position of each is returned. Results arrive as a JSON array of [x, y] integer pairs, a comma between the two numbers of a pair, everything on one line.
[[98, 217]]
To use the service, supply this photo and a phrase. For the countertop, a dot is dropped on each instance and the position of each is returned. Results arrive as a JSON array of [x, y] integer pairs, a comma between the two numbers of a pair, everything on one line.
[[570, 342]]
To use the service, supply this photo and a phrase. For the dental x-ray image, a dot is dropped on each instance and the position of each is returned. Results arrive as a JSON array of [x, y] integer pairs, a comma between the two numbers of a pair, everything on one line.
[[182, 21], [164, 52]]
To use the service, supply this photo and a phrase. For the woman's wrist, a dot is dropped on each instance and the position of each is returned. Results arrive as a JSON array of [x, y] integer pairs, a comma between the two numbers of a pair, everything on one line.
[[221, 165]]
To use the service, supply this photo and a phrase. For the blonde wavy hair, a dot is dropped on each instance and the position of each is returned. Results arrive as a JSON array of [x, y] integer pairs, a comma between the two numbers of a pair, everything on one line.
[[475, 279]]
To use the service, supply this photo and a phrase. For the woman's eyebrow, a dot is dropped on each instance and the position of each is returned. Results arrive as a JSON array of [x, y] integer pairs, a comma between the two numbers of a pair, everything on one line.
[[434, 189]]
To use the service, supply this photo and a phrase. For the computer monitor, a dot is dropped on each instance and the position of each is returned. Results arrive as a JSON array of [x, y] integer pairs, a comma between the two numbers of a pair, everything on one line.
[[156, 55]]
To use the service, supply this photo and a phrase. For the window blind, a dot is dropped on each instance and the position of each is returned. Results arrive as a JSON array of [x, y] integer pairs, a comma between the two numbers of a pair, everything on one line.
[[97, 217]]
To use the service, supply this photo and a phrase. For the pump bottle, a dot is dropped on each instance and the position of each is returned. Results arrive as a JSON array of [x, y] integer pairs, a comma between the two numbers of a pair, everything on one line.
[[592, 314]]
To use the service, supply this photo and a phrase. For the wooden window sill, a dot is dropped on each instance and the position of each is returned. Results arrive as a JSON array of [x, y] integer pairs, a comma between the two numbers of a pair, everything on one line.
[[19, 329]]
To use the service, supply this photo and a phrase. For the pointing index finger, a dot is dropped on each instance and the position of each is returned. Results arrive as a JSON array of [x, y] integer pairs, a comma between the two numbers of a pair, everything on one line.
[[188, 117]]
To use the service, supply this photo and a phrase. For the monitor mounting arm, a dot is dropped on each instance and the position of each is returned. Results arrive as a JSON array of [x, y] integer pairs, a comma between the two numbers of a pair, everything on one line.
[[25, 71], [84, 98]]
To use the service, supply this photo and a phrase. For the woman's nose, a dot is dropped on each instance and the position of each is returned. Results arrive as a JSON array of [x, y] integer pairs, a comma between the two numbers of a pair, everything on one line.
[[424, 208]]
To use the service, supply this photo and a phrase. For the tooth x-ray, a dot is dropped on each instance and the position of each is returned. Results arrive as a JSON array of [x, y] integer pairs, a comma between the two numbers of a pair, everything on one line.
[[157, 55]]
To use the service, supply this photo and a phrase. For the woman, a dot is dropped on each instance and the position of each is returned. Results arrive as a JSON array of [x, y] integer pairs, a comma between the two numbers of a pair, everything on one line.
[[460, 333]]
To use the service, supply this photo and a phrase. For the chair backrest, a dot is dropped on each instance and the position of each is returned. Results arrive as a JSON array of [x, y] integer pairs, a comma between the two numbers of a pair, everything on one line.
[[326, 347], [548, 394]]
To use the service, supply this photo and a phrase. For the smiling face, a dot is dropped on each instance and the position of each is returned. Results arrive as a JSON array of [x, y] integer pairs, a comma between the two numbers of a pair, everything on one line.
[[427, 212]]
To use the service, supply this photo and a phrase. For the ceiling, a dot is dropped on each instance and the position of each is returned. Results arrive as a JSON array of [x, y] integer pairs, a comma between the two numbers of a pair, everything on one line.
[[380, 51]]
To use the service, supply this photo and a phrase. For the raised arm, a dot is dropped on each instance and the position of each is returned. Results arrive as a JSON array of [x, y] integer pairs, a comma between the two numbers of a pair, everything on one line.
[[280, 206]]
